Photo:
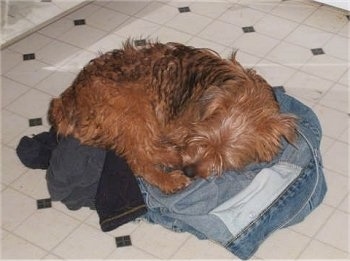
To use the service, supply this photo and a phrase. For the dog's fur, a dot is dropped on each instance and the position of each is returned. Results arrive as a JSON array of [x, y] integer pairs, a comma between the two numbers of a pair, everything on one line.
[[173, 112]]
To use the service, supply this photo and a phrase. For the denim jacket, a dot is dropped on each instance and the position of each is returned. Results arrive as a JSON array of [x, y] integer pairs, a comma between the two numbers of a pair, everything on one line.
[[240, 210]]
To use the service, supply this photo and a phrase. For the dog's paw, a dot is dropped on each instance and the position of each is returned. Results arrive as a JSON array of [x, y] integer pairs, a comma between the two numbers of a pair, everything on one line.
[[176, 181]]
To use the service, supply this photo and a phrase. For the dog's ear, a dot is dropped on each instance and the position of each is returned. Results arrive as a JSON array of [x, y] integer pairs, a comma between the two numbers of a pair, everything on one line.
[[212, 101], [268, 140]]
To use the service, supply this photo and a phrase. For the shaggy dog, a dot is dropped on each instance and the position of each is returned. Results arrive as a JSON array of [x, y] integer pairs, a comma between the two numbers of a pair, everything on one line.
[[174, 112]]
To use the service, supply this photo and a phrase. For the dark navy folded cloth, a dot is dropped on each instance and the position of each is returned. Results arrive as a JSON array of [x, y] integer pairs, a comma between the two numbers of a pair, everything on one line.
[[118, 198]]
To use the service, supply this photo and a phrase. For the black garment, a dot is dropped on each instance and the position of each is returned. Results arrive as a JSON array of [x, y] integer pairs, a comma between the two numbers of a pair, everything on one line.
[[35, 152], [118, 198]]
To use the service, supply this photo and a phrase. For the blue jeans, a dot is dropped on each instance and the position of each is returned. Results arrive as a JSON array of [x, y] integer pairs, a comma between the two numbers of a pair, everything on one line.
[[240, 210]]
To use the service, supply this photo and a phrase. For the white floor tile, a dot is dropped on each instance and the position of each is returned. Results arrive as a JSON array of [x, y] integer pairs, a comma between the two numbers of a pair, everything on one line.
[[126, 7], [29, 72], [211, 9], [275, 74], [241, 15], [335, 231], [83, 12], [344, 137], [309, 37], [247, 60], [46, 227], [56, 83], [247, 43], [336, 98], [136, 28], [190, 23], [107, 43], [344, 205], [309, 87], [345, 78], [57, 28], [9, 59], [333, 122], [327, 19], [326, 67], [194, 248], [167, 34], [275, 26], [345, 31], [31, 104], [32, 183], [82, 36], [337, 188], [338, 47], [76, 62], [12, 168], [10, 90], [226, 35], [290, 54], [283, 244], [319, 250], [158, 240], [296, 11], [158, 12], [56, 52], [12, 125], [31, 43], [130, 253], [333, 161], [312, 223], [16, 208], [86, 243], [81, 214], [202, 43], [11, 245], [106, 19]]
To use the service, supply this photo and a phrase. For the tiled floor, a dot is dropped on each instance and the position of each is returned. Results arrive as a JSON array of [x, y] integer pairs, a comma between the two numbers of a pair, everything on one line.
[[20, 18], [280, 48]]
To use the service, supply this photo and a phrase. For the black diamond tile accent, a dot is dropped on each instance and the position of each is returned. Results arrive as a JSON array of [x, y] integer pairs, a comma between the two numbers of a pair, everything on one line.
[[317, 51], [123, 241], [141, 42], [248, 29], [79, 22], [184, 9], [43, 203], [28, 56], [35, 122]]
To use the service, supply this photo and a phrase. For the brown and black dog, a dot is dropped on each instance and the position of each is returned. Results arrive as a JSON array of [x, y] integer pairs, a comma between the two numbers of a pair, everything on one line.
[[173, 111]]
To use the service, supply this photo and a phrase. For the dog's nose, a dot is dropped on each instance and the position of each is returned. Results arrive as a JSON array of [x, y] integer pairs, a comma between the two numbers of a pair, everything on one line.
[[190, 171]]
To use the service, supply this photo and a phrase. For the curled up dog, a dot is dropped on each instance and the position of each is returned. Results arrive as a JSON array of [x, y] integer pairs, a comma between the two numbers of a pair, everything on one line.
[[174, 112]]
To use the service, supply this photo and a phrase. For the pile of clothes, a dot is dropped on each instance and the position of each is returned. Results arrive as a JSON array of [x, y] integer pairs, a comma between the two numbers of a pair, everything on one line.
[[237, 210], [85, 176]]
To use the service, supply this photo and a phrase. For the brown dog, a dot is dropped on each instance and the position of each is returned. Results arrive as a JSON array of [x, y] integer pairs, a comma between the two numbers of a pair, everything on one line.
[[171, 110]]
